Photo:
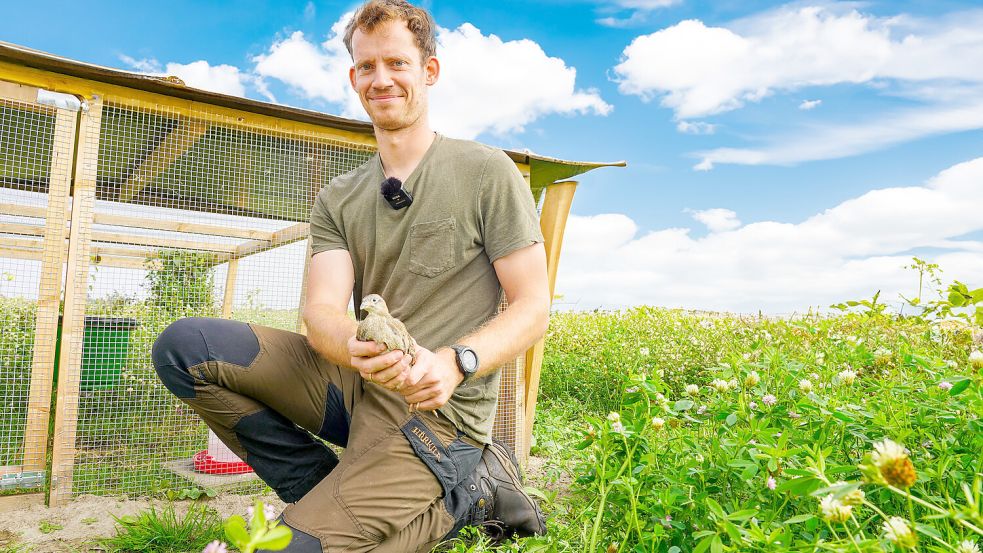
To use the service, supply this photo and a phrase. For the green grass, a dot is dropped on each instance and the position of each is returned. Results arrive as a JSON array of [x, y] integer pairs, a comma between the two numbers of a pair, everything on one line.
[[163, 531]]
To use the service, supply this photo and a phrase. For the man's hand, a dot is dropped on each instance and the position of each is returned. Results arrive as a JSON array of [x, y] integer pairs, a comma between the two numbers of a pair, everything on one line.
[[432, 379], [391, 370]]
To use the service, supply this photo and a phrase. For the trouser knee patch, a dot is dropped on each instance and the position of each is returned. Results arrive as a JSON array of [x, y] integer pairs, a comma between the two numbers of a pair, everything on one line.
[[196, 340]]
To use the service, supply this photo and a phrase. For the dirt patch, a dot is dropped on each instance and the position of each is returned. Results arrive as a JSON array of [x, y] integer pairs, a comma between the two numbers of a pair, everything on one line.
[[546, 474], [73, 527]]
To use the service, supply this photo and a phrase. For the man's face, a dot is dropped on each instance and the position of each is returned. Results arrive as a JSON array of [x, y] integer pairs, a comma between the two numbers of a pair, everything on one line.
[[389, 76]]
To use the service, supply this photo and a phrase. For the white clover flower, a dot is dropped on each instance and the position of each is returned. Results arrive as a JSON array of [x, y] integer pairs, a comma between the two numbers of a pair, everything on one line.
[[805, 386], [720, 385], [891, 459], [968, 546], [753, 405], [658, 423], [659, 397], [215, 547], [897, 531], [945, 386], [976, 359], [614, 417], [618, 427], [631, 389], [692, 389], [732, 383], [847, 377], [769, 400], [793, 415], [752, 379], [771, 483], [814, 376], [702, 409], [833, 510], [855, 497], [643, 352]]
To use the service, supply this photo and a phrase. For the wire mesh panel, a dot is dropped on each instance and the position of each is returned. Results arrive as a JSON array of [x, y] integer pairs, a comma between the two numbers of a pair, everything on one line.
[[36, 143], [193, 215]]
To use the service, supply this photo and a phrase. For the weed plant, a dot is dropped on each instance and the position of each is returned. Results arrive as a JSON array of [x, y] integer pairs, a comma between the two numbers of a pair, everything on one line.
[[154, 531], [691, 432]]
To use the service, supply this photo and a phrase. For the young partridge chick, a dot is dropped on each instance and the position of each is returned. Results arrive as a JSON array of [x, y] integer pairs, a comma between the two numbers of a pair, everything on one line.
[[382, 328]]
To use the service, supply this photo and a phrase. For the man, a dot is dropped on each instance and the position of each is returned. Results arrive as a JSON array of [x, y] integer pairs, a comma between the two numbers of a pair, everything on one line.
[[408, 478]]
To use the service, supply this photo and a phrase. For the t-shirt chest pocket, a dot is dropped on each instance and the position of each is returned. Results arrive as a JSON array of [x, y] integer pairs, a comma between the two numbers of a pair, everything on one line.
[[433, 247]]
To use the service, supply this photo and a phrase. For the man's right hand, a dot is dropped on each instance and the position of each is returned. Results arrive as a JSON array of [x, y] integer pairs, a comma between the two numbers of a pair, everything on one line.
[[390, 370]]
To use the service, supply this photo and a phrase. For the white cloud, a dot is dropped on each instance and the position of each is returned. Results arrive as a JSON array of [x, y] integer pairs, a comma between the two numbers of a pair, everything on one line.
[[699, 70], [696, 127], [717, 219], [846, 252], [310, 10], [835, 141], [809, 104], [225, 79], [513, 82]]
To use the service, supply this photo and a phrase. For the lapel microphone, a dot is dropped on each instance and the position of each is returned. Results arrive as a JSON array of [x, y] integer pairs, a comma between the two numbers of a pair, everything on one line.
[[393, 192]]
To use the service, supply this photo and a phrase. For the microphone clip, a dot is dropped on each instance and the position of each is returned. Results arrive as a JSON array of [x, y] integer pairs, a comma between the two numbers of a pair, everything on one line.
[[394, 193]]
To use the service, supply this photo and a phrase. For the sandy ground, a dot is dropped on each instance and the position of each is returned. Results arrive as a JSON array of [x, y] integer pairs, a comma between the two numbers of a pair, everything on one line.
[[23, 527], [89, 517]]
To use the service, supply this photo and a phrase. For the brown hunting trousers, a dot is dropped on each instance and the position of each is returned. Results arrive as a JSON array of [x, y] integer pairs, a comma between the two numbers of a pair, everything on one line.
[[397, 487]]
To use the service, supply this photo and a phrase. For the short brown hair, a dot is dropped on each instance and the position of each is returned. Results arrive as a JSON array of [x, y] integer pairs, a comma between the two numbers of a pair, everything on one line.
[[374, 12]]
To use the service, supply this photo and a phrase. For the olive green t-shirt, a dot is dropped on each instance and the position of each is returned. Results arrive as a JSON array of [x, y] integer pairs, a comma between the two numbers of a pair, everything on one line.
[[432, 261]]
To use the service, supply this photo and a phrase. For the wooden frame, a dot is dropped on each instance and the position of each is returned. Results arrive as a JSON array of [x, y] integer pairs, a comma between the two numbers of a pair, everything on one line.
[[552, 222], [198, 111], [76, 287], [49, 291]]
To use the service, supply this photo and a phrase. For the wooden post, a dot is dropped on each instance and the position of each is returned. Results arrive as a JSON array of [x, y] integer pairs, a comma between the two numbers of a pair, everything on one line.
[[76, 287], [230, 288], [301, 326], [552, 221], [49, 292]]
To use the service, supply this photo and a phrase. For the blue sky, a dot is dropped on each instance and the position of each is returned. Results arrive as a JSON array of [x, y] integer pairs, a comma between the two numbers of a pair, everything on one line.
[[781, 155]]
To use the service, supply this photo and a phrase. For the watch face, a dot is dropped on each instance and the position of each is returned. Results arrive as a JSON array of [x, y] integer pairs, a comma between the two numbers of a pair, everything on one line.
[[470, 360]]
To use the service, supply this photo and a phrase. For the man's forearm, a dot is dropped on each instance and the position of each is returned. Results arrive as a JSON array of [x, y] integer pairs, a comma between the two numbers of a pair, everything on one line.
[[509, 334], [328, 331]]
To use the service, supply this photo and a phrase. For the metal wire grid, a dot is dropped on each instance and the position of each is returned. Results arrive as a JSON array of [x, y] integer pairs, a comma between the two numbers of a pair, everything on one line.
[[35, 155], [193, 216], [155, 189]]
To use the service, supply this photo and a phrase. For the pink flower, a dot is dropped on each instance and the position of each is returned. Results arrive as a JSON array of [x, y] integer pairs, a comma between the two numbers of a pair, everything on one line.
[[769, 400], [771, 483], [945, 386], [215, 547]]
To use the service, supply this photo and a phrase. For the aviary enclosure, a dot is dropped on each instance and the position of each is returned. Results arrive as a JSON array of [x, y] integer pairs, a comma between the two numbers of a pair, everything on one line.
[[129, 201]]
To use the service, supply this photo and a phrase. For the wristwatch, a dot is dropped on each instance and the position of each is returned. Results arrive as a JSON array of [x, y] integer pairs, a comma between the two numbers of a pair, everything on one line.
[[467, 360]]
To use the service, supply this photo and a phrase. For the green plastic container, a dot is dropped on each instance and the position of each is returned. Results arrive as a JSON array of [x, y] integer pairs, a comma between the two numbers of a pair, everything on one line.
[[105, 347]]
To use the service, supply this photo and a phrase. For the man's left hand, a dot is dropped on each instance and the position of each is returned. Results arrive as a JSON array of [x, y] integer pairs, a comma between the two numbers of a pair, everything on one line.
[[433, 378]]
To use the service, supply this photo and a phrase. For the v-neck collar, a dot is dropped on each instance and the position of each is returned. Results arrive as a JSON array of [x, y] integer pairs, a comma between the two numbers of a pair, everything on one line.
[[407, 184]]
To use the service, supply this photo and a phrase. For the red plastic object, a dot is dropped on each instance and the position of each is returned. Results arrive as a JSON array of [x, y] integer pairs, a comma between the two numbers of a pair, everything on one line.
[[207, 464]]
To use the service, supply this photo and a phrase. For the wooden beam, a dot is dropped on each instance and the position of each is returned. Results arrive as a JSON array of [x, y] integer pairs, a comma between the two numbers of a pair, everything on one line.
[[160, 242], [552, 221], [178, 141], [76, 287], [230, 288], [282, 237], [211, 113], [22, 210], [49, 292], [228, 231], [18, 92]]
